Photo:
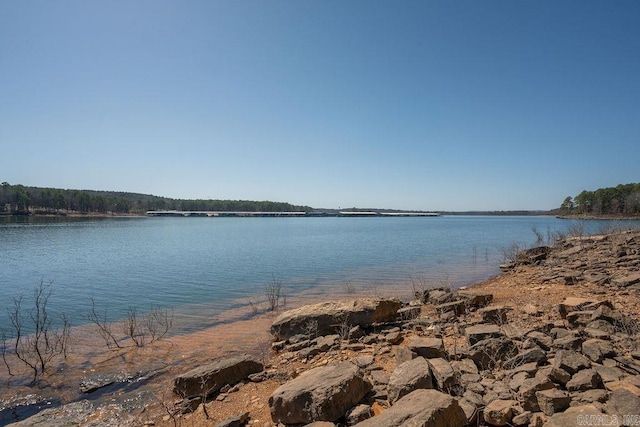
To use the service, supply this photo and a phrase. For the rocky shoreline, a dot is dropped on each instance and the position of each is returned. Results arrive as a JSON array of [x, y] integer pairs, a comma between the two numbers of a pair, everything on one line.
[[553, 341]]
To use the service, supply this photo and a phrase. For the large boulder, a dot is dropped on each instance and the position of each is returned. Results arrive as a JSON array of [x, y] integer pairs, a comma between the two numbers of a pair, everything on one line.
[[330, 316], [320, 394], [623, 402], [409, 376], [206, 380], [421, 408]]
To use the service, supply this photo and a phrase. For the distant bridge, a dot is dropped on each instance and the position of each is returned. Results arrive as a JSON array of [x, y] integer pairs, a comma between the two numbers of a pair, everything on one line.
[[222, 213], [285, 214]]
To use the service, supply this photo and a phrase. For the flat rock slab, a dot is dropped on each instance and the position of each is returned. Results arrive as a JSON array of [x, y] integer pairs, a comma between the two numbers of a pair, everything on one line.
[[571, 361], [427, 347], [69, 415], [481, 332], [458, 307], [209, 379], [409, 376], [627, 280], [239, 420], [320, 394], [329, 316], [573, 304], [425, 408], [475, 298]]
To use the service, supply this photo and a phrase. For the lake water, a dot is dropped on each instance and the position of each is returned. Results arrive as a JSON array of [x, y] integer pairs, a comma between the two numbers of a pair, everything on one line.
[[202, 266]]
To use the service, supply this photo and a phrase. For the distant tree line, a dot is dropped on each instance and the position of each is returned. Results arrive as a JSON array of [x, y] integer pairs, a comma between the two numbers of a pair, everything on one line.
[[22, 200], [623, 199]]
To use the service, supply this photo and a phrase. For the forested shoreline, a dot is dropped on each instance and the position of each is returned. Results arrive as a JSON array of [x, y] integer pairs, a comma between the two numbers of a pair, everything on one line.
[[621, 200], [23, 200]]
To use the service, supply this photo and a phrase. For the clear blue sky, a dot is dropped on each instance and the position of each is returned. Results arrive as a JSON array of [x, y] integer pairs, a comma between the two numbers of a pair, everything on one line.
[[434, 105]]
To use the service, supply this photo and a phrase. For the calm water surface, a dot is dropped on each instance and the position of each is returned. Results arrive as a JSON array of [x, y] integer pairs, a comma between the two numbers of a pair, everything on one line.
[[200, 266]]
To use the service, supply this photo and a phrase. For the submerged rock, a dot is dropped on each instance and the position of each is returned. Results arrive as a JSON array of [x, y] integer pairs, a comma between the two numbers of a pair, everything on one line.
[[209, 379]]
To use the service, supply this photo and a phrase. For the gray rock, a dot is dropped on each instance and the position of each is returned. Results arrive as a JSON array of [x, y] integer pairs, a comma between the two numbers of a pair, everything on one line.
[[552, 401], [586, 379], [394, 338], [601, 325], [532, 256], [464, 366], [427, 347], [330, 315], [443, 373], [487, 353], [559, 376], [363, 361], [568, 342], [91, 384], [458, 308], [517, 380], [543, 340], [609, 373], [438, 296], [470, 381], [538, 419], [523, 419], [426, 408], [590, 396], [407, 377], [572, 304], [532, 355], [623, 402], [596, 333], [627, 280], [379, 377], [528, 390], [597, 350], [470, 411], [579, 318], [494, 314], [530, 368], [235, 421], [404, 354], [475, 298], [69, 415], [606, 313], [570, 361], [409, 313], [326, 342], [481, 332], [209, 379], [320, 394], [358, 414], [499, 412]]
